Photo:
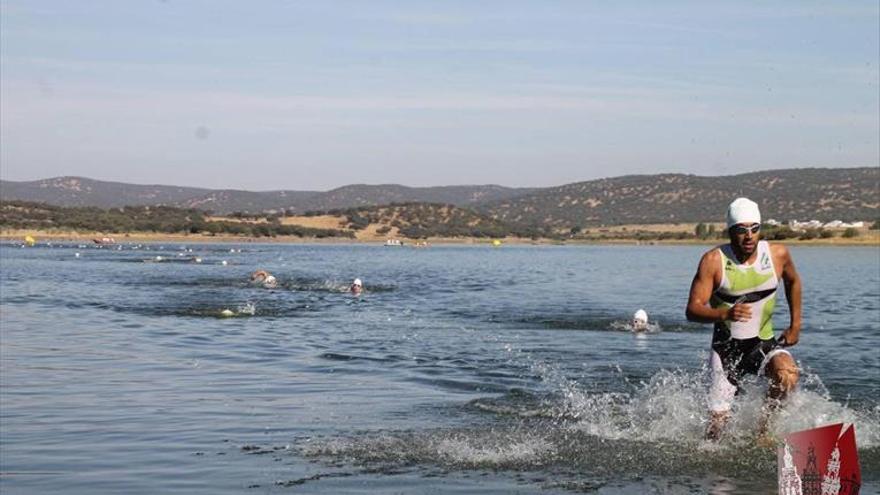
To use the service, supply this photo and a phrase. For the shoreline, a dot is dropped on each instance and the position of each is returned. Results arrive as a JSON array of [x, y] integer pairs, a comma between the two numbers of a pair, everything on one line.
[[868, 238]]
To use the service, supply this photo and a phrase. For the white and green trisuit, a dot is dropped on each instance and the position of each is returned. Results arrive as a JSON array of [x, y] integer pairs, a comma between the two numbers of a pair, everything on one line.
[[734, 342]]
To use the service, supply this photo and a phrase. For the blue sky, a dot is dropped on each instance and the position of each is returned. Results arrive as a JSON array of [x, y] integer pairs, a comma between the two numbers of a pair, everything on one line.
[[314, 95]]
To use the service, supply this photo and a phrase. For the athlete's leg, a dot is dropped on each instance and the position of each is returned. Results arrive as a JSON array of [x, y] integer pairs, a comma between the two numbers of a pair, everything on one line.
[[721, 393], [717, 421], [783, 374]]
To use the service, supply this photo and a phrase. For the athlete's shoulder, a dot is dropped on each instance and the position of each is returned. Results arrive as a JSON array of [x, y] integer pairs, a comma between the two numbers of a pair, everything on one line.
[[711, 258], [714, 253], [777, 249], [779, 252]]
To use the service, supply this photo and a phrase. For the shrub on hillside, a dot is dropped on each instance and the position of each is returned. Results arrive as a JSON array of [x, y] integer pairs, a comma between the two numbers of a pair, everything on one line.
[[809, 234], [777, 233], [704, 231], [357, 222]]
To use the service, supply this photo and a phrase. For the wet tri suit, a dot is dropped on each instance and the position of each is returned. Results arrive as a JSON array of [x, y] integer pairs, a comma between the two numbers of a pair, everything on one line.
[[741, 347]]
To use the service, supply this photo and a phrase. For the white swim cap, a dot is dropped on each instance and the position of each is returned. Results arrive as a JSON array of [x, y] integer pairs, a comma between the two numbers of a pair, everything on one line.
[[742, 210], [357, 282], [641, 316]]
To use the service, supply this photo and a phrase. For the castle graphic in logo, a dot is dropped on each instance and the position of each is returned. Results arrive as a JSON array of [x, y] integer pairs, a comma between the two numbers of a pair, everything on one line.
[[821, 461]]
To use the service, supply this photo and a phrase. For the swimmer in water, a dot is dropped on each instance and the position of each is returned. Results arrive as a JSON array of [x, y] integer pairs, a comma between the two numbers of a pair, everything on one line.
[[264, 279], [356, 287], [640, 321]]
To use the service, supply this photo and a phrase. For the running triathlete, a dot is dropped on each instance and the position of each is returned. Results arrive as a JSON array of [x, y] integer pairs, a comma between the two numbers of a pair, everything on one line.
[[735, 288]]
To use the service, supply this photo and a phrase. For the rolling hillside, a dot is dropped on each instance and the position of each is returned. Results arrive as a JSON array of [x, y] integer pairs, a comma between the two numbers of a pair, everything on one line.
[[80, 191], [817, 193], [803, 194], [372, 195], [423, 220]]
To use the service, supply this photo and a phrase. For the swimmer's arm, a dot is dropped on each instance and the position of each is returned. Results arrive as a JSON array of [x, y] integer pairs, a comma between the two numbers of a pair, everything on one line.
[[792, 282], [698, 308]]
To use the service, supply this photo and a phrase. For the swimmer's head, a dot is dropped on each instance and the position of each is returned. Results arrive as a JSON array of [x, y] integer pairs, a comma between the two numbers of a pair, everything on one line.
[[264, 278], [640, 320], [357, 286]]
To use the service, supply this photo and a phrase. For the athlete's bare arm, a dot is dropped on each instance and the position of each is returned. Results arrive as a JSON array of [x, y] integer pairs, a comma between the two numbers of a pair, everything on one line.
[[792, 281], [708, 277]]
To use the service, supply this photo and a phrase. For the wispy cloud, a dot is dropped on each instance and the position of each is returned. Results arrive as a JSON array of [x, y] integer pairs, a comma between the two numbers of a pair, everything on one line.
[[26, 103]]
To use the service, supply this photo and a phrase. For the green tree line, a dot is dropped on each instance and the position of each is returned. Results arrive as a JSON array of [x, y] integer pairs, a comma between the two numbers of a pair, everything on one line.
[[159, 219]]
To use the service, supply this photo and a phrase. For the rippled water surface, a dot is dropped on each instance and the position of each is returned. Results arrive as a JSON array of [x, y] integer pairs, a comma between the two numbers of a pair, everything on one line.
[[460, 369]]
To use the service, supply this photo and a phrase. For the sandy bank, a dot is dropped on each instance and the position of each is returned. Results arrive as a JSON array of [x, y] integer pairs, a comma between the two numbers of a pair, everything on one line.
[[866, 238]]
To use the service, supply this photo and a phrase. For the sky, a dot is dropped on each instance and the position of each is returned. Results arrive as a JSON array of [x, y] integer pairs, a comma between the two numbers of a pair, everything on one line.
[[265, 95]]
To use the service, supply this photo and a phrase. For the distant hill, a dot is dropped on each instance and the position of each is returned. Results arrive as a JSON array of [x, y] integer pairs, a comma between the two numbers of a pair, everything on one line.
[[367, 223], [372, 195], [229, 200], [423, 220], [81, 191], [815, 193]]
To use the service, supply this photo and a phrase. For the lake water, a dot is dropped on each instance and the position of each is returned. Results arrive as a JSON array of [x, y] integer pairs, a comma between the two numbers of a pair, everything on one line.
[[459, 370]]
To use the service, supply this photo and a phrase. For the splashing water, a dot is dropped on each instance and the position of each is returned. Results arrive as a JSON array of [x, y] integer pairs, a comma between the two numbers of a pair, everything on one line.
[[461, 449], [656, 428], [672, 406], [627, 326], [248, 309]]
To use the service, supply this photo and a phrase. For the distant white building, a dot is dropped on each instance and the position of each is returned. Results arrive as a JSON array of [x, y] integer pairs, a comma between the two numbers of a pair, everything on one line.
[[815, 224], [837, 224], [812, 224]]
